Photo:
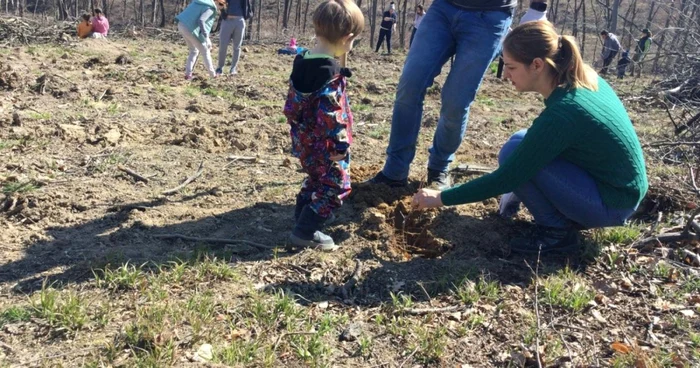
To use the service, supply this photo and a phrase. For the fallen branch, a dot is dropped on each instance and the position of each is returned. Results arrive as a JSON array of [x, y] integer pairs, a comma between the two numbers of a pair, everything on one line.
[[694, 258], [666, 238], [660, 144], [133, 174], [536, 273], [187, 181], [422, 311], [345, 290], [212, 240]]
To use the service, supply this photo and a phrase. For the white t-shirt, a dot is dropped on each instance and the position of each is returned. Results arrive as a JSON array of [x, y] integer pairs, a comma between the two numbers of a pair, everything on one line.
[[532, 15], [419, 18]]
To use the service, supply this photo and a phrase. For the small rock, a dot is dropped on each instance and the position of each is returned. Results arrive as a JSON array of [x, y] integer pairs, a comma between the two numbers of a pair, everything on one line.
[[352, 332], [16, 120], [236, 143], [323, 305], [376, 217], [456, 316], [112, 136], [204, 353], [71, 131]]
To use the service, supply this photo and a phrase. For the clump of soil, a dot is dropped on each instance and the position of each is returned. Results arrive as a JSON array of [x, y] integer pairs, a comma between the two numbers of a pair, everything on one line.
[[123, 59], [9, 79]]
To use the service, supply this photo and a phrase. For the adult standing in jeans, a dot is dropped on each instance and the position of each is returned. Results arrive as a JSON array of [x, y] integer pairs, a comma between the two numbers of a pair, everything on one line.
[[420, 13], [469, 30], [611, 46], [640, 51], [580, 164], [387, 27], [232, 31]]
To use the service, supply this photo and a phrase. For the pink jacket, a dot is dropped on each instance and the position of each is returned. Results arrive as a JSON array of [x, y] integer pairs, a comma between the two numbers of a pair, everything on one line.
[[100, 25]]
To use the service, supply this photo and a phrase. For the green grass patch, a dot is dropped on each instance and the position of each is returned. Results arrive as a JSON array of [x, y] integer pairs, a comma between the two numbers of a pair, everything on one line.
[[15, 314], [622, 235], [124, 277], [40, 115], [565, 289], [361, 107], [62, 310], [470, 292], [18, 187], [380, 132]]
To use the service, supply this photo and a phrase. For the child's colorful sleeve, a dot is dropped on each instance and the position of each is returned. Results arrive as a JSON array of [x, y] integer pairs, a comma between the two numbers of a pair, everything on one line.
[[335, 120]]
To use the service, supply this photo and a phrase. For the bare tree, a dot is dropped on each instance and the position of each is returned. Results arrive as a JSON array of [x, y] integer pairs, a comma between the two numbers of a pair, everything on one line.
[[613, 15]]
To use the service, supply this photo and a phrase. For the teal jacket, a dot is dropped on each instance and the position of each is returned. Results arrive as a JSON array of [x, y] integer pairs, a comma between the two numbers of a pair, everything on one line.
[[190, 17]]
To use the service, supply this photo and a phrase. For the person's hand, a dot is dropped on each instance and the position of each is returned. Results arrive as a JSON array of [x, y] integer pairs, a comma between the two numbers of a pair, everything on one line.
[[426, 198], [387, 19]]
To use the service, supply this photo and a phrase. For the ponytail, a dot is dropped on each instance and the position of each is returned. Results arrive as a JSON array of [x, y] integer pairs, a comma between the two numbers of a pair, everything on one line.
[[569, 68], [539, 39]]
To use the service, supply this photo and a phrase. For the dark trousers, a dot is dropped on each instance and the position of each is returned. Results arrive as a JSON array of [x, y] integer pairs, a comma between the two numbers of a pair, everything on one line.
[[413, 34], [384, 33], [607, 62]]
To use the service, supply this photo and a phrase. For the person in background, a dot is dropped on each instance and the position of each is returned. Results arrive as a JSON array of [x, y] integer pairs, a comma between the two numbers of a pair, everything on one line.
[[387, 27], [232, 31], [622, 64], [579, 166], [611, 46], [85, 27], [100, 24], [420, 13], [318, 113], [195, 23], [536, 11], [640, 51]]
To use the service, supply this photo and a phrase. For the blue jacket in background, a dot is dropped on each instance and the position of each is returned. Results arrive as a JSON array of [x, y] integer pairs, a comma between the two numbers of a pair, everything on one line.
[[190, 17]]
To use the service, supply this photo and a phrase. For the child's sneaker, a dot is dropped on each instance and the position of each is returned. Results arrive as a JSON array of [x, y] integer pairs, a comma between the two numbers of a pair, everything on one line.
[[233, 71], [188, 77], [319, 240], [219, 71], [307, 231]]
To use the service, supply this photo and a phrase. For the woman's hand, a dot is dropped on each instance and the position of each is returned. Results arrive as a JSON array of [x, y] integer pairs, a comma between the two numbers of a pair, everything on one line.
[[427, 198]]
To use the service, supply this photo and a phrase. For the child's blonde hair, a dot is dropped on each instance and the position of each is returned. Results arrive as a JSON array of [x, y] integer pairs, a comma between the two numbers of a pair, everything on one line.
[[335, 19]]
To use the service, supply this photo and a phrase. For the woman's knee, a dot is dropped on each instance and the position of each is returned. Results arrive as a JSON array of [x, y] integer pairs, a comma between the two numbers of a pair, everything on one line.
[[510, 146]]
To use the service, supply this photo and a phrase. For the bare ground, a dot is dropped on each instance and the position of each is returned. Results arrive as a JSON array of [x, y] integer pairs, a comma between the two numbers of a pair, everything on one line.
[[87, 279]]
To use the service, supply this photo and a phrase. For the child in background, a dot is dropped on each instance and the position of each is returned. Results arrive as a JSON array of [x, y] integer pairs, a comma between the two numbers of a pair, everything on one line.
[[100, 24], [318, 112], [85, 27], [622, 64]]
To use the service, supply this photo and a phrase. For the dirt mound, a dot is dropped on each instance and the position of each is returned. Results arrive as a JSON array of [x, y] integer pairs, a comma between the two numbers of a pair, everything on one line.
[[9, 78]]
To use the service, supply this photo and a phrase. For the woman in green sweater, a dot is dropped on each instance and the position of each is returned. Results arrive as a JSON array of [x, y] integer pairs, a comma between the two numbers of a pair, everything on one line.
[[579, 165]]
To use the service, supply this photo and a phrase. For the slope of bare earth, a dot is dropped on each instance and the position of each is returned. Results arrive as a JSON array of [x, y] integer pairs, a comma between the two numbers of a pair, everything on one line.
[[89, 277]]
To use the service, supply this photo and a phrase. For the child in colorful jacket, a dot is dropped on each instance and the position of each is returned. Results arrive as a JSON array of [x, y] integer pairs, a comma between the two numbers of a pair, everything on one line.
[[318, 112]]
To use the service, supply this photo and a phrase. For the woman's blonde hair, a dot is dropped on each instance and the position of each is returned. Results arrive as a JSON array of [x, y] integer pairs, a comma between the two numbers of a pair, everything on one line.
[[539, 39]]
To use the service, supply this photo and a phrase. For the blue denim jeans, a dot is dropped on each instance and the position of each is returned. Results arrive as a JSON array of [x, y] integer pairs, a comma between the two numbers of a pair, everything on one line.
[[474, 38], [563, 195]]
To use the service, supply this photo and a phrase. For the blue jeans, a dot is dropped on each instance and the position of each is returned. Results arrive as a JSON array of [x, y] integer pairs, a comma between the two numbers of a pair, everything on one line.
[[474, 38], [563, 195]]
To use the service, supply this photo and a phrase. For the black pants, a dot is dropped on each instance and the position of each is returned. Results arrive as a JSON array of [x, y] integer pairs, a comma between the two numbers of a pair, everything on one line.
[[413, 34], [607, 62], [384, 33]]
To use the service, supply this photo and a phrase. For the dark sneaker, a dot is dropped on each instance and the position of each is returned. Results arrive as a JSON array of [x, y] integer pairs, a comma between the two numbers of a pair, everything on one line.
[[546, 239], [380, 178], [219, 71], [319, 241], [439, 180]]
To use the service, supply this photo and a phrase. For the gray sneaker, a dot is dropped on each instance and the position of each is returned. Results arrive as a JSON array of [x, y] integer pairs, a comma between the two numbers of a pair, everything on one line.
[[439, 180], [319, 241]]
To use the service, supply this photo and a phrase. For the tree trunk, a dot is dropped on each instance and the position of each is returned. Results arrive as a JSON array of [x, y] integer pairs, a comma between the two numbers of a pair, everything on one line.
[[652, 14], [285, 14], [654, 69], [372, 23], [258, 13], [162, 14], [402, 25], [583, 27], [306, 12], [613, 15]]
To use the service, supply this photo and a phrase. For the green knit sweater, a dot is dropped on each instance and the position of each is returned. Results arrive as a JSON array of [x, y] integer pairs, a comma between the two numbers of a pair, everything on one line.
[[590, 129]]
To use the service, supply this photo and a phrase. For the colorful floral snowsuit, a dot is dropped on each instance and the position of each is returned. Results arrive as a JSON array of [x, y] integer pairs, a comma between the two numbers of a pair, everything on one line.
[[321, 126]]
